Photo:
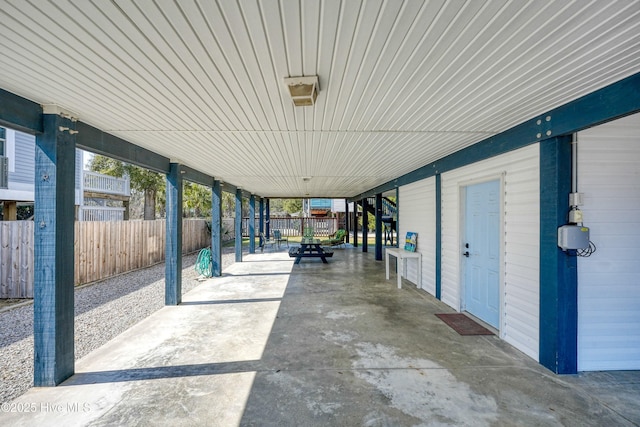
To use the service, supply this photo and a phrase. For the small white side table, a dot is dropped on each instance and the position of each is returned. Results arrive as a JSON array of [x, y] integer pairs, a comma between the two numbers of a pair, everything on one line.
[[401, 255]]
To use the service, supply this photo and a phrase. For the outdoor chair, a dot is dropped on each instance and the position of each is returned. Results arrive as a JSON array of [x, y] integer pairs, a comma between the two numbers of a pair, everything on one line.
[[307, 233], [337, 238], [266, 242], [279, 238]]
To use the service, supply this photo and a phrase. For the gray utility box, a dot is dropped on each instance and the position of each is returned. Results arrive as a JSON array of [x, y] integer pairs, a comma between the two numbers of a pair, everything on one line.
[[573, 237]]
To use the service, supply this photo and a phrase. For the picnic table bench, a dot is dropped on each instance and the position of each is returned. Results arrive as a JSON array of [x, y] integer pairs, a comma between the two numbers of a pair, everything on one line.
[[310, 249]]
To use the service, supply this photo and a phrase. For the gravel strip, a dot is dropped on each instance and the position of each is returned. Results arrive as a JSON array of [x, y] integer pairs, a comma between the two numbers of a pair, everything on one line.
[[103, 310]]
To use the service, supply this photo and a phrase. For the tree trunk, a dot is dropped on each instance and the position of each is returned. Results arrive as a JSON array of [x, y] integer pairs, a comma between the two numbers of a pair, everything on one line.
[[149, 204]]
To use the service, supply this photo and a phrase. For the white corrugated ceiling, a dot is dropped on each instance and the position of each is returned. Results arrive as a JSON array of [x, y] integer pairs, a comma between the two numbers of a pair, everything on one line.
[[402, 83]]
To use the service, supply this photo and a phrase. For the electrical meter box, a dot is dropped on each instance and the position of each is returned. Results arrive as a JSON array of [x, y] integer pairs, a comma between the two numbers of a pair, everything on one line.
[[573, 237]]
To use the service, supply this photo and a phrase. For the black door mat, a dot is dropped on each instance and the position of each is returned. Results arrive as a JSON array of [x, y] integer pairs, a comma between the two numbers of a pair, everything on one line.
[[463, 324]]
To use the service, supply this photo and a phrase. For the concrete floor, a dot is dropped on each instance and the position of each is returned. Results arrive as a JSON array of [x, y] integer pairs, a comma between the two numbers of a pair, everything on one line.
[[273, 344]]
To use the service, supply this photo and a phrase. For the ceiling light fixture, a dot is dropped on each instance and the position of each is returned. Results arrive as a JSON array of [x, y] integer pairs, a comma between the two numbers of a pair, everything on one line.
[[303, 90]]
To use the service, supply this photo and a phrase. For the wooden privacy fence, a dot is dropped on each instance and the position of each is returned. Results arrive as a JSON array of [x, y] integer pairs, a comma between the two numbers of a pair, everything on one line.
[[16, 259], [102, 249]]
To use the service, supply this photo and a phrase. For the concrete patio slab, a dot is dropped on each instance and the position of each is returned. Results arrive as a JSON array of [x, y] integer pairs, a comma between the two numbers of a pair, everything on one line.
[[274, 344]]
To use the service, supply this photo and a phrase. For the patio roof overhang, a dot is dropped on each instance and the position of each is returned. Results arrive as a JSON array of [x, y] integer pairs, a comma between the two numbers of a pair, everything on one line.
[[403, 85]]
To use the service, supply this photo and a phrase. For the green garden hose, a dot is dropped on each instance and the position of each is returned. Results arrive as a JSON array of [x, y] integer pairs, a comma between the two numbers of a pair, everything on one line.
[[203, 263]]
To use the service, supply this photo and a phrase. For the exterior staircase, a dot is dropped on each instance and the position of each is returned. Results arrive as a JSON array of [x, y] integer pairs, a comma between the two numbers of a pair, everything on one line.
[[389, 215]]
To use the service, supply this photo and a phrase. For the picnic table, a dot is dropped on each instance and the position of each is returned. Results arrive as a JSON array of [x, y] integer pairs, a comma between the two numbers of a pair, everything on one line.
[[310, 248]]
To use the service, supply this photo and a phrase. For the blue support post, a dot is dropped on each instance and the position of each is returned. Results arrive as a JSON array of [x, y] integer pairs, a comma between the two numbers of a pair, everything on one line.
[[365, 225], [355, 224], [346, 220], [397, 217], [268, 219], [378, 219], [173, 251], [252, 224], [53, 308], [261, 221], [216, 229], [438, 260], [238, 225], [558, 269]]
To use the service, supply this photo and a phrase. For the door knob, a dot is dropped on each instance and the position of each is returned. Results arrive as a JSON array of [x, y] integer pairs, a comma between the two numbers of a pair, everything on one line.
[[466, 254]]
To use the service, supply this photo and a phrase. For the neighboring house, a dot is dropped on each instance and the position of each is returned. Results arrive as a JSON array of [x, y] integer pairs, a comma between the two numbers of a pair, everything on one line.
[[338, 209], [325, 208], [318, 207], [94, 196]]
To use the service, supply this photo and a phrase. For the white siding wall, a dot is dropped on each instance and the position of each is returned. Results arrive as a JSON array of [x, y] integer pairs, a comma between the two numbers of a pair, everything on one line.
[[418, 213], [609, 280], [521, 291]]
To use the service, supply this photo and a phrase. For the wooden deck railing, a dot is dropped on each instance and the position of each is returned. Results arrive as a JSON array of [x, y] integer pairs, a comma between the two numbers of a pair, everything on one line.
[[290, 226], [105, 184]]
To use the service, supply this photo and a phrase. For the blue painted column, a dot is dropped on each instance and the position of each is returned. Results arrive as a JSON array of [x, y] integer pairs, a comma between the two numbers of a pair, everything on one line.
[[438, 242], [173, 250], [53, 311], [397, 217], [238, 225], [346, 220], [355, 224], [365, 225], [378, 219], [216, 229], [558, 270], [252, 224], [261, 221], [268, 219]]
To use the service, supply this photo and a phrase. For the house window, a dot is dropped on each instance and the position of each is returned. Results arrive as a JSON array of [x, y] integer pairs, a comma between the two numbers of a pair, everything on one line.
[[4, 163]]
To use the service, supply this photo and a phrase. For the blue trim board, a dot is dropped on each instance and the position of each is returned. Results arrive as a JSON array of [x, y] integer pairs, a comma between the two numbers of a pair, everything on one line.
[[216, 229], [609, 103], [238, 226], [19, 113], [53, 308], [558, 270], [438, 242], [173, 250], [252, 224], [99, 142], [196, 176], [378, 218]]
